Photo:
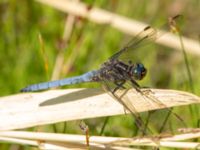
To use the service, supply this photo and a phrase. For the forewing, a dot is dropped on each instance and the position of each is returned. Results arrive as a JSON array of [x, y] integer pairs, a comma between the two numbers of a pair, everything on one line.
[[146, 37]]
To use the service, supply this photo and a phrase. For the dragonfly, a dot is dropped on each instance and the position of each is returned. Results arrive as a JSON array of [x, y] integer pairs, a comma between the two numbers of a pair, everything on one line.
[[116, 74], [113, 70]]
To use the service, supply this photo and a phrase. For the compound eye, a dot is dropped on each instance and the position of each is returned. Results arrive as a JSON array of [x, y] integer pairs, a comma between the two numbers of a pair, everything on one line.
[[139, 71]]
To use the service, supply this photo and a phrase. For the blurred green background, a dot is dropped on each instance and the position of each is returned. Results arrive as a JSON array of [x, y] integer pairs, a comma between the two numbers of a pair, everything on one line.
[[31, 41]]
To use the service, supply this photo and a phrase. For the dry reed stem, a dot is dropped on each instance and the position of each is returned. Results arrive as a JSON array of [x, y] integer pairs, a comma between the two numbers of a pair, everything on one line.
[[52, 145], [31, 109], [121, 23], [99, 142]]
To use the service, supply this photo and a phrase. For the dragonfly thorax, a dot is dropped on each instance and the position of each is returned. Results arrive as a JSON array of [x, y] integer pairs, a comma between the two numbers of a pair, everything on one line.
[[138, 71], [120, 71]]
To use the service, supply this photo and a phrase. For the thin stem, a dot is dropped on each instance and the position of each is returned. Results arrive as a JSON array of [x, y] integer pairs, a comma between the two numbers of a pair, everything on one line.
[[104, 126], [186, 64]]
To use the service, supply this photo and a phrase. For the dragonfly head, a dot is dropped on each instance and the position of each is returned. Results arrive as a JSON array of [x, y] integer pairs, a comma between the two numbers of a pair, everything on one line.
[[138, 71]]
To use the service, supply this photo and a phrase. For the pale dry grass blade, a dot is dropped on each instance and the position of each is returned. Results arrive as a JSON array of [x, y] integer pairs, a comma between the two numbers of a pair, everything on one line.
[[18, 141], [43, 145], [49, 141], [98, 142], [31, 109], [121, 23]]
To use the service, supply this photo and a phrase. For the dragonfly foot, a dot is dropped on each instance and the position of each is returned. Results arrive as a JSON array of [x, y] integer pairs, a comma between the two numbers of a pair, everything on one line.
[[147, 91]]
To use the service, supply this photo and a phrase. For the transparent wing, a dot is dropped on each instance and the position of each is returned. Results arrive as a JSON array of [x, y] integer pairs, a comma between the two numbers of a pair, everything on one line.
[[119, 93], [152, 100], [119, 90], [132, 101], [146, 37]]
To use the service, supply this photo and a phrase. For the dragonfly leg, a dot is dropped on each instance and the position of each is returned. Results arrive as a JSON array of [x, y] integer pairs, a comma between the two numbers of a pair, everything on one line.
[[119, 85], [136, 85], [147, 91], [138, 88]]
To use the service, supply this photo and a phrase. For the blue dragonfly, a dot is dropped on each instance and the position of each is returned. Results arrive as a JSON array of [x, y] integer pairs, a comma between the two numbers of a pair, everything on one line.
[[115, 74], [113, 70]]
